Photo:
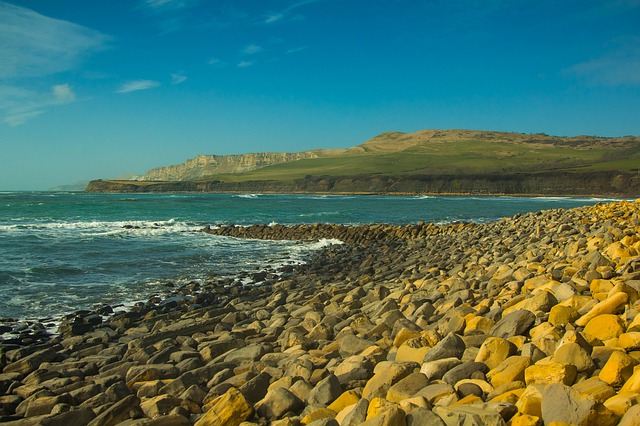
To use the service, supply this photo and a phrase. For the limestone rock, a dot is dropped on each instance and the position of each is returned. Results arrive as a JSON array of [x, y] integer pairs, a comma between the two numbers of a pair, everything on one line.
[[407, 387], [436, 369], [514, 324], [325, 392], [511, 369], [278, 402], [561, 403], [468, 415], [386, 374], [451, 346], [494, 350], [550, 373], [618, 369], [230, 409]]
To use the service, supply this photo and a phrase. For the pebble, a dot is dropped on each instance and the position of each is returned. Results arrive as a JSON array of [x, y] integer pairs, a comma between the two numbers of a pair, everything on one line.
[[509, 322]]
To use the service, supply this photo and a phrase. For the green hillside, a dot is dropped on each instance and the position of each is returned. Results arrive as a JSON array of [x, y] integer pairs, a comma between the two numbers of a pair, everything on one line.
[[460, 153]]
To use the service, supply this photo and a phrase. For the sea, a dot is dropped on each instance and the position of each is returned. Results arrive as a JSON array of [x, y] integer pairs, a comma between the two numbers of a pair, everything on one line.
[[66, 251]]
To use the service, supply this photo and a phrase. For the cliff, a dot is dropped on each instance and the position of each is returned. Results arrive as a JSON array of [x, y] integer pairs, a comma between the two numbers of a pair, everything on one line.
[[209, 165], [606, 183]]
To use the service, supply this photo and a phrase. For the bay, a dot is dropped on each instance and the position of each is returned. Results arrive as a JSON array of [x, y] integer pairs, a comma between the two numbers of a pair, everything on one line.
[[61, 252]]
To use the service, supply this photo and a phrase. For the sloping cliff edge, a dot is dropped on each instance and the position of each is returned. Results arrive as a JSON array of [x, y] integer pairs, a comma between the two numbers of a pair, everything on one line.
[[606, 183]]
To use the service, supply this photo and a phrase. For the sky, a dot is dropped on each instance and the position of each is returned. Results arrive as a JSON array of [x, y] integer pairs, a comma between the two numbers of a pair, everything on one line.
[[96, 89]]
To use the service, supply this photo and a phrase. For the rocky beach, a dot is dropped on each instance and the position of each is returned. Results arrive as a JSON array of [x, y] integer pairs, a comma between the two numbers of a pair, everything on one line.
[[529, 320]]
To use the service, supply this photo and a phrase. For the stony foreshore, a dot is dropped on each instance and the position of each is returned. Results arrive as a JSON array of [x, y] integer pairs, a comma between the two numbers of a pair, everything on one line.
[[530, 320]]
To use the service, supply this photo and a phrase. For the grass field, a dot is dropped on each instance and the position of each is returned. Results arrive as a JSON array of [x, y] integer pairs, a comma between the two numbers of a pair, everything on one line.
[[458, 157]]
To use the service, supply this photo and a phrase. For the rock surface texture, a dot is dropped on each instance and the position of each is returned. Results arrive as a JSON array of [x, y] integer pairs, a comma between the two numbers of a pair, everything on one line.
[[531, 320]]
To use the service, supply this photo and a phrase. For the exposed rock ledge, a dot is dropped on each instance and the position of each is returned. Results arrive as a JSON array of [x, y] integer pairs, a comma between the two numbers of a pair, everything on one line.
[[607, 183]]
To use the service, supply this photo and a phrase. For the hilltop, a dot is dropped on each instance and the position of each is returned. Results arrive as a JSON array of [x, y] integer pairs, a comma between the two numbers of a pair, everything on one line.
[[427, 161]]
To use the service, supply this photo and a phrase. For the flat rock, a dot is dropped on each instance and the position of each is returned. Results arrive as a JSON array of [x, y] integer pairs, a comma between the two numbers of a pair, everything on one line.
[[450, 346], [561, 403], [516, 323]]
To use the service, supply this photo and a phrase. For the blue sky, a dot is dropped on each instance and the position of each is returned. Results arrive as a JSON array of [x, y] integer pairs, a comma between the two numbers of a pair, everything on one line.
[[95, 89]]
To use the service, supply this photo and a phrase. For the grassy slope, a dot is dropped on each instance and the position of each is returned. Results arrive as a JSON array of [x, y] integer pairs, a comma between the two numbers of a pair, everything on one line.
[[456, 157]]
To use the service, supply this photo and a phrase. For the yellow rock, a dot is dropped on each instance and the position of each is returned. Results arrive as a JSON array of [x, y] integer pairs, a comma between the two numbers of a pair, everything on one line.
[[230, 409], [403, 335], [494, 350], [510, 397], [479, 323], [541, 301], [633, 384], [377, 406], [510, 370], [600, 286], [521, 419], [393, 416], [408, 353], [469, 399], [617, 252], [347, 398], [618, 369], [621, 402], [608, 306], [635, 324], [622, 287], [573, 353], [561, 315], [604, 327], [550, 373], [517, 340], [530, 401], [318, 414], [596, 388], [576, 302], [486, 387], [629, 341]]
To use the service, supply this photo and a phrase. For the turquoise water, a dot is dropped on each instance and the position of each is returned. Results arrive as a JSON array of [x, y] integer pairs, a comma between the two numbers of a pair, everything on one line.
[[62, 252]]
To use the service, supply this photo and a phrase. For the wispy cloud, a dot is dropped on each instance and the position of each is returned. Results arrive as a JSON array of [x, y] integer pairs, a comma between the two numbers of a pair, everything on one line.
[[252, 49], [136, 85], [63, 93], [18, 105], [244, 64], [34, 47], [163, 5], [285, 13], [177, 78], [619, 67]]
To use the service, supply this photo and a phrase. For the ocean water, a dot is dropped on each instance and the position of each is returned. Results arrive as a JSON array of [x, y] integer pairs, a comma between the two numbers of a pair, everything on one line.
[[61, 252]]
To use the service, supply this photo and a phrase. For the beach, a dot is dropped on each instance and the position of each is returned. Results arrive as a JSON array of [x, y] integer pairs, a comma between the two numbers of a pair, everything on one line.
[[506, 322]]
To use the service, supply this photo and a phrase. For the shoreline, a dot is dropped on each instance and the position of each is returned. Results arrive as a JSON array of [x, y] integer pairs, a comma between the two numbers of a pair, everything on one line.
[[491, 322]]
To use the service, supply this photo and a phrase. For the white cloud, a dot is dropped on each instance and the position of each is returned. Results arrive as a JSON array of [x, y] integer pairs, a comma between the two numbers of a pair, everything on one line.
[[161, 5], [215, 62], [252, 49], [63, 93], [135, 85], [286, 12], [619, 67], [177, 78], [34, 45], [245, 64], [19, 105]]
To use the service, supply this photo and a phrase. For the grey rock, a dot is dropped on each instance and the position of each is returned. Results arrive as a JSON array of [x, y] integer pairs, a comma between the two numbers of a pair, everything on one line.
[[451, 346], [516, 323], [464, 371], [325, 392]]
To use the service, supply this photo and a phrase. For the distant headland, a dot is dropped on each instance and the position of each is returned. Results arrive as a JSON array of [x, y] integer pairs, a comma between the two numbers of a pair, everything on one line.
[[425, 162]]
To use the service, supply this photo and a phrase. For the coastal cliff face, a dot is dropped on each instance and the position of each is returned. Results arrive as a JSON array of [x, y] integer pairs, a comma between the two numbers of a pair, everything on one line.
[[207, 165], [550, 183]]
